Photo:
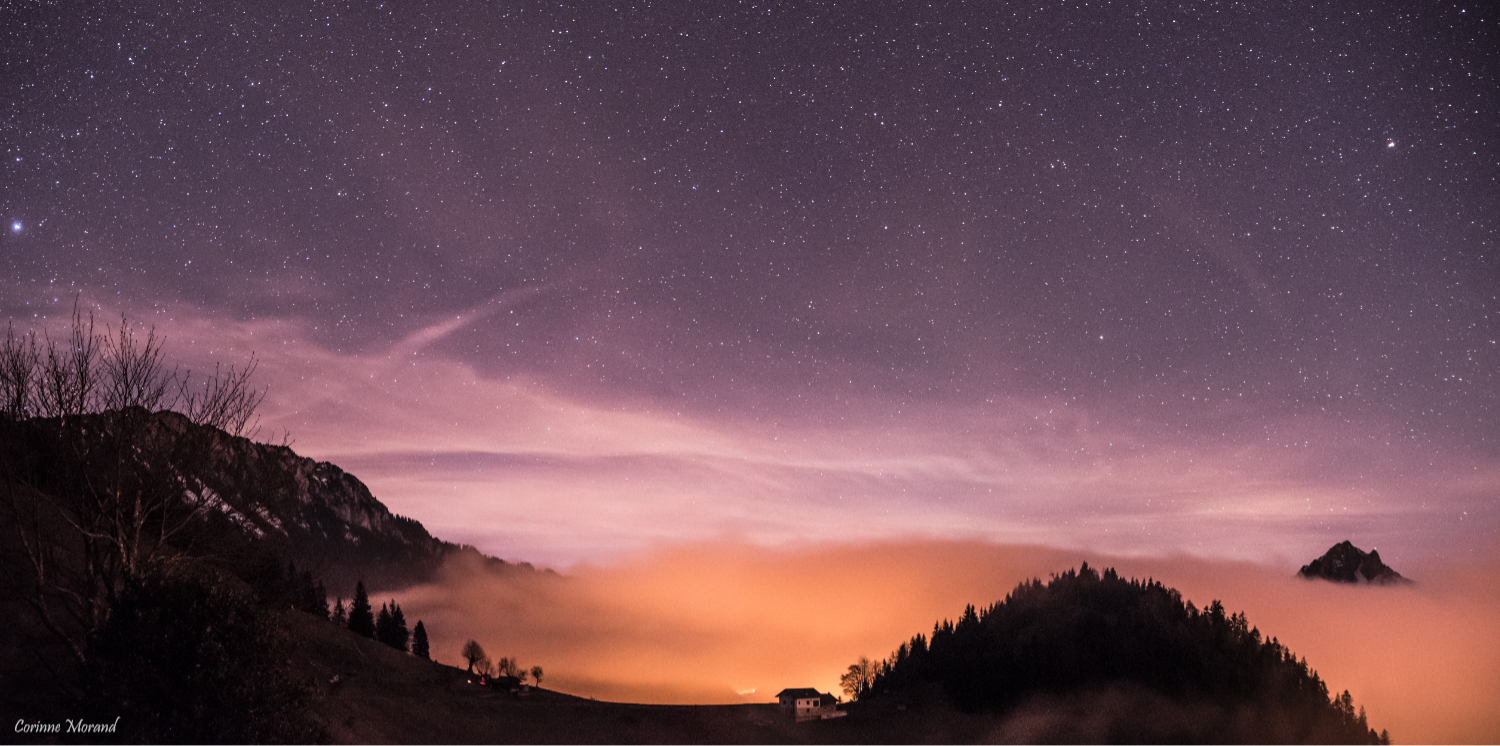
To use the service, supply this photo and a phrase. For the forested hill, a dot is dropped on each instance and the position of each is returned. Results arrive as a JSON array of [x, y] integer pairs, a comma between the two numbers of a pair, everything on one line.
[[1188, 675]]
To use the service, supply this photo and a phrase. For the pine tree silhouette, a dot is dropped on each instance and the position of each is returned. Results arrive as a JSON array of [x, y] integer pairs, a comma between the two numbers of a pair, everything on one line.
[[383, 625], [399, 633], [390, 626], [419, 642], [361, 620]]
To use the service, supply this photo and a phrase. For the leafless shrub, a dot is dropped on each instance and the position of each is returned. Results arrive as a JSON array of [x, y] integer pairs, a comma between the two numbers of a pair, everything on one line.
[[68, 376], [135, 374], [97, 485], [226, 401], [18, 374]]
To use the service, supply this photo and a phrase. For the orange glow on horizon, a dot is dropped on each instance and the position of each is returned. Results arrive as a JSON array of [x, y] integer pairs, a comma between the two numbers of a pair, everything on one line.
[[727, 624]]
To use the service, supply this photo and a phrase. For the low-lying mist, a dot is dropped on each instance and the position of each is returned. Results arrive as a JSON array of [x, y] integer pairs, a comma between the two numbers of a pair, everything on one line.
[[727, 624]]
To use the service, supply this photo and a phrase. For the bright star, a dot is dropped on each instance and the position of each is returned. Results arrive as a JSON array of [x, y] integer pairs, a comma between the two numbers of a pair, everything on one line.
[[15, 226]]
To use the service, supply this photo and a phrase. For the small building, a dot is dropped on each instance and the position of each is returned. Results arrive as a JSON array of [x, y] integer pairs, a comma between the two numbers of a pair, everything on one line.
[[809, 704], [506, 683]]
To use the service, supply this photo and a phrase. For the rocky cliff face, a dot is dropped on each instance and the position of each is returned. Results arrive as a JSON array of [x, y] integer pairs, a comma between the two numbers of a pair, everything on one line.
[[1346, 563], [321, 517]]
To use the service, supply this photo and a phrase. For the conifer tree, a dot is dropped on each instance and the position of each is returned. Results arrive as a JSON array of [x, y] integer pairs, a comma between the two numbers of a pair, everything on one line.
[[340, 617], [399, 633], [361, 620], [390, 626], [419, 642], [383, 625]]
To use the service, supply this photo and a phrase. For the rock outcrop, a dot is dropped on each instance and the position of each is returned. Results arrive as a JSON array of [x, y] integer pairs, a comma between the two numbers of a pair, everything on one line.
[[325, 518], [230, 501]]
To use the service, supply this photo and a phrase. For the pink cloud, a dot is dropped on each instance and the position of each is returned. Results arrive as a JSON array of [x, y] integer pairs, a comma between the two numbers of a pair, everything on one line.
[[527, 470]]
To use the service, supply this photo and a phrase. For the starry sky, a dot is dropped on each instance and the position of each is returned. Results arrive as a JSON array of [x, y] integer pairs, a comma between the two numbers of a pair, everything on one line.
[[572, 281]]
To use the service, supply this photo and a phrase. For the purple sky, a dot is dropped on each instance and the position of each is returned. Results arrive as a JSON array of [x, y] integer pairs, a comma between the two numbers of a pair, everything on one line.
[[573, 283]]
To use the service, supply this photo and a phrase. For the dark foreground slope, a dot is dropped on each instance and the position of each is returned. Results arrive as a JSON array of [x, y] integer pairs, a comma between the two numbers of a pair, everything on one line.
[[364, 692], [196, 659], [181, 525], [1100, 658]]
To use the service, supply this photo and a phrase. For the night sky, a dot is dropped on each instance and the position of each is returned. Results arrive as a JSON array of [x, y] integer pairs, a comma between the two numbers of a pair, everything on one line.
[[570, 282]]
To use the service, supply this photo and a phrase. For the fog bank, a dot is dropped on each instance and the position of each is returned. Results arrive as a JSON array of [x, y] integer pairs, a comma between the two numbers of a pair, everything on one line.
[[726, 623]]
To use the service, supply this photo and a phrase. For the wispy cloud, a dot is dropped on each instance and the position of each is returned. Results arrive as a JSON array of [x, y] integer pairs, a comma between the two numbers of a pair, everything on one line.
[[443, 327], [527, 470]]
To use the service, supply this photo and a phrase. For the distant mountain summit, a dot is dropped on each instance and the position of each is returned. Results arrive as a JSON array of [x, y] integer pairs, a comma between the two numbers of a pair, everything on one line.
[[1346, 563]]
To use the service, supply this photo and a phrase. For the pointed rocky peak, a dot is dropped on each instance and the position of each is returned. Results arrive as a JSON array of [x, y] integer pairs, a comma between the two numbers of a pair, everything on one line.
[[1346, 563]]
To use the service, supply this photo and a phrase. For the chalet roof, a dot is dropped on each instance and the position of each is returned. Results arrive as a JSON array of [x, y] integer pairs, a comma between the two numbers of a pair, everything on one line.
[[804, 692]]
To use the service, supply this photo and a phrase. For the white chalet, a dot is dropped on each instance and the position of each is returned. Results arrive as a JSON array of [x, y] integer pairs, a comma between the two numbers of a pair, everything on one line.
[[809, 704]]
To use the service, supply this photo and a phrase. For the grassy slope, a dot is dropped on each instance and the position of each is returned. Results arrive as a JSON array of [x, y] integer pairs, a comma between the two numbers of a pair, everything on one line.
[[382, 696]]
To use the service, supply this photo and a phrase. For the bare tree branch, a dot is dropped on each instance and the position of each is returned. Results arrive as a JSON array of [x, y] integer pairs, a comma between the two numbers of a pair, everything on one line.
[[135, 374], [68, 379], [18, 374], [226, 401], [99, 485]]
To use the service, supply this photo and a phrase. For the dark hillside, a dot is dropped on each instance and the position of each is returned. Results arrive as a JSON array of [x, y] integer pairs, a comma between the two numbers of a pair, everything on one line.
[[1142, 664], [117, 525], [365, 692]]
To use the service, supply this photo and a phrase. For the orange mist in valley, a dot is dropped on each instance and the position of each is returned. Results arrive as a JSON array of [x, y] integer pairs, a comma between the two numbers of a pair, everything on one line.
[[735, 623]]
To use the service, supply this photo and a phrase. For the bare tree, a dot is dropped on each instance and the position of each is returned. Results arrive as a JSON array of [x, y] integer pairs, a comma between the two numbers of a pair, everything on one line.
[[473, 653], [135, 373], [91, 373], [225, 401], [18, 374], [536, 674], [859, 677], [100, 481], [68, 379], [511, 667]]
